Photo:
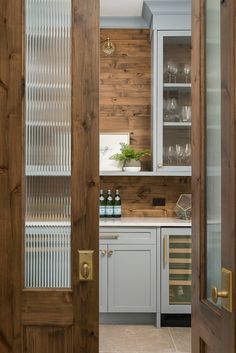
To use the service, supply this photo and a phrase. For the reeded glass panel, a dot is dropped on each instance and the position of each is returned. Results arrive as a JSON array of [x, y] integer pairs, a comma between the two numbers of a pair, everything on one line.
[[180, 269], [48, 143], [213, 144]]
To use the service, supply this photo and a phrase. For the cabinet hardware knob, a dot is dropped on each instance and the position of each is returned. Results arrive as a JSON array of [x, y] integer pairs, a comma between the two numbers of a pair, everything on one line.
[[160, 165], [110, 252], [103, 252]]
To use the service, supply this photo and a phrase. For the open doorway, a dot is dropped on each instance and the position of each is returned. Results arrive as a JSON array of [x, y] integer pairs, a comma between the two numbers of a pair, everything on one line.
[[145, 249]]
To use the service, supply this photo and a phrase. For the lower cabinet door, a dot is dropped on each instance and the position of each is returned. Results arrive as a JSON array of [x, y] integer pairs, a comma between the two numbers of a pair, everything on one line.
[[103, 279], [132, 278], [176, 270]]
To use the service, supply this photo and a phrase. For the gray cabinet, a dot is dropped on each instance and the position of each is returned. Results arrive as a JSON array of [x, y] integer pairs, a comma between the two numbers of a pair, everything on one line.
[[132, 278], [176, 270], [128, 270], [103, 279]]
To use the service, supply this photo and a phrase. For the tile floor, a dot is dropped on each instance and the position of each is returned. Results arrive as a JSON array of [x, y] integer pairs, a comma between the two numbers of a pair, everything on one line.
[[144, 339]]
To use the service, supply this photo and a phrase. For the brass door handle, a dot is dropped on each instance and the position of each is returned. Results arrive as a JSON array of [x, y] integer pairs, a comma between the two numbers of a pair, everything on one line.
[[86, 265], [85, 270], [215, 294]]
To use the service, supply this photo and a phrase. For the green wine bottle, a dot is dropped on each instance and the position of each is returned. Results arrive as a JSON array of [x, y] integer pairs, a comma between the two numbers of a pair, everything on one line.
[[117, 205], [109, 204], [102, 205]]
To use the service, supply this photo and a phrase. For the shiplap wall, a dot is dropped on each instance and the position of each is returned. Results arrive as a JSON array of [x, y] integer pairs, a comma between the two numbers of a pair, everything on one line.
[[125, 106]]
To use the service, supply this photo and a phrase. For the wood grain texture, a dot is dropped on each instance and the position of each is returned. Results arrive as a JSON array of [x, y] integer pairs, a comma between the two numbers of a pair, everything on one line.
[[213, 330], [137, 193], [125, 87], [85, 169], [47, 339], [11, 156]]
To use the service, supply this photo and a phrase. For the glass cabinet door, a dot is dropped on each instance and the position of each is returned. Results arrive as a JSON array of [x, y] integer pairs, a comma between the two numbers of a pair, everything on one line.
[[176, 270], [174, 101], [48, 144]]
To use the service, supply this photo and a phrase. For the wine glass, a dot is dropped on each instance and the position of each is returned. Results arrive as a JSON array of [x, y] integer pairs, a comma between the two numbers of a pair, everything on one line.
[[187, 72], [171, 155], [187, 154], [186, 113], [172, 70], [179, 154], [172, 113]]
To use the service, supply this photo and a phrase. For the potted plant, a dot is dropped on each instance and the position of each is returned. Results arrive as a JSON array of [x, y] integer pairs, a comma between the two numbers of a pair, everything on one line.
[[130, 158]]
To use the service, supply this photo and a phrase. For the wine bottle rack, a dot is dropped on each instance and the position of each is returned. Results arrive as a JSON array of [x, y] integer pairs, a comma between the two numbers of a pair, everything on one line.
[[176, 270], [180, 269]]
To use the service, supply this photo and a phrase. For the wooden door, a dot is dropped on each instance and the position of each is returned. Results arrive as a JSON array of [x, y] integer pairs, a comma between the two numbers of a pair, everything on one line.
[[48, 71], [213, 186]]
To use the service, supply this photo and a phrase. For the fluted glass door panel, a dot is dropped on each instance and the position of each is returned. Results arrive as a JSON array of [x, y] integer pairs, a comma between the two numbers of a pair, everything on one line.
[[48, 143]]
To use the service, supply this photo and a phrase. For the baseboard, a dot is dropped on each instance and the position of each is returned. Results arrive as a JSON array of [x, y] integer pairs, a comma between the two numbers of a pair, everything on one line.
[[176, 320], [128, 318]]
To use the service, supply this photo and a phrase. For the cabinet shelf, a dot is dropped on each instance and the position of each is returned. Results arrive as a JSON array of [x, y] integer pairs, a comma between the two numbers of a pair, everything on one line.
[[180, 251], [180, 271], [178, 124], [177, 85], [180, 261], [180, 283], [127, 173]]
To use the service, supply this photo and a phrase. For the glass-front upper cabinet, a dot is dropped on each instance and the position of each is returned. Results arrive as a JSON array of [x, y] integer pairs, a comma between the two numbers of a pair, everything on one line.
[[174, 103]]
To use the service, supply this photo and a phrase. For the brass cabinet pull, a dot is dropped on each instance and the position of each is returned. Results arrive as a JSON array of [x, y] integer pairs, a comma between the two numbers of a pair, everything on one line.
[[108, 236], [110, 252], [165, 257], [103, 252]]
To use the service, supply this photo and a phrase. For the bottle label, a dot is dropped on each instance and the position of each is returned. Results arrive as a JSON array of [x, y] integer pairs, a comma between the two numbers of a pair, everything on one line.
[[109, 210], [117, 210], [102, 210]]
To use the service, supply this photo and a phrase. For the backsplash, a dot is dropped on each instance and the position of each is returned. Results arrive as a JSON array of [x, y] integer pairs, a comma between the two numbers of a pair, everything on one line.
[[137, 193]]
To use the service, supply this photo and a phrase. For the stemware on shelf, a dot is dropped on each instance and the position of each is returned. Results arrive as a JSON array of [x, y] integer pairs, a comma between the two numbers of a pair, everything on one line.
[[186, 113], [172, 71], [171, 110], [187, 72]]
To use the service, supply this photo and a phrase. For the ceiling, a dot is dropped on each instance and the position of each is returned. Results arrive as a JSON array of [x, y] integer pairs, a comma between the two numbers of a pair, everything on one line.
[[121, 7]]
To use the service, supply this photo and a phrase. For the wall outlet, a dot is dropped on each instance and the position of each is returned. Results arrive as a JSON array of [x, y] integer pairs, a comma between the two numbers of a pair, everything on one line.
[[159, 201]]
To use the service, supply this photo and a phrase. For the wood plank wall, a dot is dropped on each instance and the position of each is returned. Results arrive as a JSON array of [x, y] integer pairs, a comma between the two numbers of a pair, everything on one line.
[[137, 193], [125, 105], [125, 90]]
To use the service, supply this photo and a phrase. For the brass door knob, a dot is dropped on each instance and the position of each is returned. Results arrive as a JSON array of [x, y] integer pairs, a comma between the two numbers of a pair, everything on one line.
[[215, 294], [110, 252], [85, 270]]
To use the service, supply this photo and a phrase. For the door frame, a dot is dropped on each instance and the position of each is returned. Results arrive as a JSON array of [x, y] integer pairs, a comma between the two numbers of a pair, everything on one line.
[[213, 327], [82, 300]]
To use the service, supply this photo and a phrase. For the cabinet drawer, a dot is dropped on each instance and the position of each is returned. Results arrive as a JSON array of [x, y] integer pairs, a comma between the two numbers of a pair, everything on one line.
[[129, 235]]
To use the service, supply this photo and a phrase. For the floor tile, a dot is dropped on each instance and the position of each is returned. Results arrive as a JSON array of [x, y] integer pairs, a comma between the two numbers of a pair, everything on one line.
[[135, 339], [182, 339]]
